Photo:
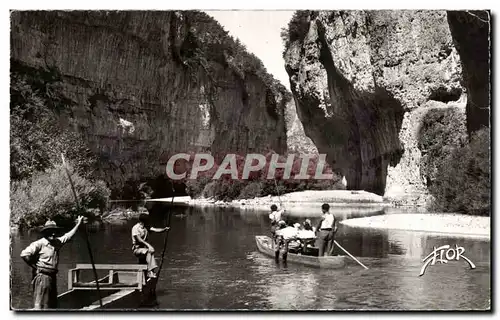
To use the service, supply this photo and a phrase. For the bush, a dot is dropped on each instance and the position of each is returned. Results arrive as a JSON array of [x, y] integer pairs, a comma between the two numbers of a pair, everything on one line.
[[463, 180], [251, 190], [48, 195], [36, 138], [209, 191], [298, 27], [195, 187], [257, 183]]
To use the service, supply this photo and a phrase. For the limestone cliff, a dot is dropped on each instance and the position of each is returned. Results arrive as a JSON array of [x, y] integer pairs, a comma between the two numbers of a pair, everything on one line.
[[139, 86], [364, 81], [471, 34], [296, 139]]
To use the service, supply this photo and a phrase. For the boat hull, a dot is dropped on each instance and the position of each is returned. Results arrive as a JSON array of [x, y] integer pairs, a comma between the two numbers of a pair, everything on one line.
[[118, 293], [126, 299], [264, 244]]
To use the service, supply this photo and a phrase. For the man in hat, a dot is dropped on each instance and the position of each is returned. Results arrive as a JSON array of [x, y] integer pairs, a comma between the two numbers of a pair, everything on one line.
[[43, 256], [326, 228], [143, 249]]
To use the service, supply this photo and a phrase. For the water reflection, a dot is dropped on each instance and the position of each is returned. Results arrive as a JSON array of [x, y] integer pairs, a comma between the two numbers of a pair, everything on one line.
[[212, 262]]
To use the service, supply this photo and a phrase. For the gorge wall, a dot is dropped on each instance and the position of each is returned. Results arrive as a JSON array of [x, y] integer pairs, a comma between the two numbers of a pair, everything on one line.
[[140, 86], [296, 139], [364, 82]]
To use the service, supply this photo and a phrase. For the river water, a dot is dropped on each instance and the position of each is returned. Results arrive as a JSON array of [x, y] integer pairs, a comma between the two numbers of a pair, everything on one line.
[[212, 262]]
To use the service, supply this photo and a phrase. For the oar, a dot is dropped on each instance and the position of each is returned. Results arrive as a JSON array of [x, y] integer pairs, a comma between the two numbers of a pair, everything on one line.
[[84, 231], [350, 255]]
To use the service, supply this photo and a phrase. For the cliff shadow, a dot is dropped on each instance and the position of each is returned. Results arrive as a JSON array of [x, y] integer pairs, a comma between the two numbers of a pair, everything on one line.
[[373, 121]]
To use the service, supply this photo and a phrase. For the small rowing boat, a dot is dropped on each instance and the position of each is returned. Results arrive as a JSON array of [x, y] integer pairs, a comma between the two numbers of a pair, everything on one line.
[[125, 287], [265, 245]]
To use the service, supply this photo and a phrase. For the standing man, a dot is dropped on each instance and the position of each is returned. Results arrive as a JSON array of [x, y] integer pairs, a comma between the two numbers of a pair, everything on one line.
[[43, 256], [275, 216], [141, 248], [327, 227]]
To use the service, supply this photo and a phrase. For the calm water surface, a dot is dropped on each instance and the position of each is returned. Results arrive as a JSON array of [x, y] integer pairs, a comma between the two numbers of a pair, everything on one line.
[[212, 263]]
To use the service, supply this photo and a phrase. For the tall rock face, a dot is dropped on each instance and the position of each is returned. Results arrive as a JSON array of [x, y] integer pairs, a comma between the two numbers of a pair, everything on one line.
[[140, 86], [296, 139], [471, 35], [363, 82]]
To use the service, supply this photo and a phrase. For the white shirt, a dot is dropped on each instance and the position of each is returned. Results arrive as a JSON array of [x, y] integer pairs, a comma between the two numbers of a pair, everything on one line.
[[46, 253], [328, 220], [288, 232], [139, 230], [275, 216]]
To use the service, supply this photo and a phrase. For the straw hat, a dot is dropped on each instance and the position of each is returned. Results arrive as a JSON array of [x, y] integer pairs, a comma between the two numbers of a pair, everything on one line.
[[50, 225]]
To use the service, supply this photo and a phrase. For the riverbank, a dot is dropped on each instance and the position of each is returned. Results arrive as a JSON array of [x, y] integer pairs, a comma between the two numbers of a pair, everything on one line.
[[308, 203], [451, 224], [302, 201]]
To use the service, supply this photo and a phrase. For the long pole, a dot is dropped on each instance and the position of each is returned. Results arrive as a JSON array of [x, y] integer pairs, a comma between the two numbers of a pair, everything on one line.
[[84, 231], [166, 235], [350, 255], [278, 191]]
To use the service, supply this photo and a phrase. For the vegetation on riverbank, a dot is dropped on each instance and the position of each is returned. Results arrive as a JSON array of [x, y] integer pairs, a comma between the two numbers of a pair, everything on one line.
[[257, 185], [457, 169], [48, 195], [463, 180], [39, 187]]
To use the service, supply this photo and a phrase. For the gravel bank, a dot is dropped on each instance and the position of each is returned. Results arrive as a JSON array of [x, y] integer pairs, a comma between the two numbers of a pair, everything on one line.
[[456, 224], [296, 202]]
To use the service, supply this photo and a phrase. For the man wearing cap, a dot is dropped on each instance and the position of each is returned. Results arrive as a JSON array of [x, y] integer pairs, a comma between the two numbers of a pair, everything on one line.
[[143, 249], [43, 256], [327, 227]]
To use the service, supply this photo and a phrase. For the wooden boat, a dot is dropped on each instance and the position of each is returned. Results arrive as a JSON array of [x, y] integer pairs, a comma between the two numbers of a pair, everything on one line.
[[265, 245], [125, 287]]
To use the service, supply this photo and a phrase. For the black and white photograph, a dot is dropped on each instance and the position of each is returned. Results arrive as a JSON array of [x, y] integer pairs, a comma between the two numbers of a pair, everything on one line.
[[250, 160]]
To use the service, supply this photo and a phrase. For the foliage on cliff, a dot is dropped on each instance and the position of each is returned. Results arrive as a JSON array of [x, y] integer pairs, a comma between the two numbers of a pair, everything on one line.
[[457, 171], [463, 181], [297, 27], [209, 44], [36, 137], [39, 186]]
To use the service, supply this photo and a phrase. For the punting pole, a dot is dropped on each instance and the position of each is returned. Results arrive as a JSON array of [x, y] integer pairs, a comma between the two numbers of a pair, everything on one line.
[[84, 231], [350, 255], [278, 191], [166, 236]]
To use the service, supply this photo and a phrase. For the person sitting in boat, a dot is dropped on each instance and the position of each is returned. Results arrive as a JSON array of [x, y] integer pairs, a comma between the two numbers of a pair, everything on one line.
[[303, 239], [143, 249], [308, 225], [275, 216], [43, 256], [293, 237]]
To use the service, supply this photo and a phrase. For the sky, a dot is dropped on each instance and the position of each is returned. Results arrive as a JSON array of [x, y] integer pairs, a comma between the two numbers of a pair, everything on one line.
[[259, 31]]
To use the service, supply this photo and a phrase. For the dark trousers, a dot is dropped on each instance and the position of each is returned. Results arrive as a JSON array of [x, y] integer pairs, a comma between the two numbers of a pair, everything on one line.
[[325, 242], [280, 248], [44, 291]]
